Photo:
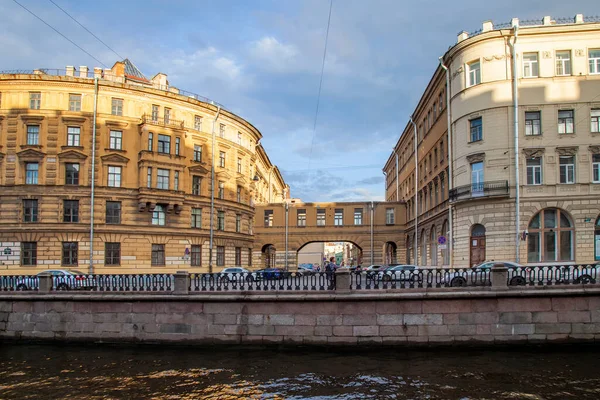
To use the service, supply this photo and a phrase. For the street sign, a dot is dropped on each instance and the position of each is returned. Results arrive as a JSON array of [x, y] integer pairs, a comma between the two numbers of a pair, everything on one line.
[[442, 240], [442, 246]]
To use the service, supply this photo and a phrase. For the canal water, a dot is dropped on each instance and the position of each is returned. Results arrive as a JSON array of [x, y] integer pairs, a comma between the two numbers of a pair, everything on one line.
[[159, 372]]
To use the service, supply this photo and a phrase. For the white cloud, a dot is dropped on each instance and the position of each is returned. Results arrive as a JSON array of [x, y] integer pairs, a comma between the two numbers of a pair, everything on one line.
[[274, 56]]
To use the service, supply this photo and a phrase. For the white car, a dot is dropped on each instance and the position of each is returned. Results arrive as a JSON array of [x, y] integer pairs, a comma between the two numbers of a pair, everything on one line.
[[62, 279], [233, 274]]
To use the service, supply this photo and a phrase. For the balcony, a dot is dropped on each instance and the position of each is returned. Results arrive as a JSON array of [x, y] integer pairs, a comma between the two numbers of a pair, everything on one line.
[[479, 190], [167, 123]]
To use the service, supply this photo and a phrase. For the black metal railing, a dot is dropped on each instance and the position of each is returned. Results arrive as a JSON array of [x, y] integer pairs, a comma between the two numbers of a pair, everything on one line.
[[553, 275], [167, 122], [261, 281], [420, 278], [481, 189], [11, 283]]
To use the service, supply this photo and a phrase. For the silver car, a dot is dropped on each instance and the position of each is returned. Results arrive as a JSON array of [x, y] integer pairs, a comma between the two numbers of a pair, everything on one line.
[[62, 279]]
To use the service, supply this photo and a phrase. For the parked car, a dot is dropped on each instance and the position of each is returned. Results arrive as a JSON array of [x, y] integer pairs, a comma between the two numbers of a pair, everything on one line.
[[232, 274], [306, 269], [62, 279], [490, 264], [372, 270], [399, 273], [270, 274]]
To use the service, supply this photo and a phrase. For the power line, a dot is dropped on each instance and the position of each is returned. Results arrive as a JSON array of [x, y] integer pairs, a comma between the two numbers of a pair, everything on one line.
[[88, 31], [342, 167], [55, 30], [312, 142]]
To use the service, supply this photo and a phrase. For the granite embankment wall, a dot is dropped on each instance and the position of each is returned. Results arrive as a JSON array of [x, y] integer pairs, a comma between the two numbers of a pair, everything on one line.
[[399, 318]]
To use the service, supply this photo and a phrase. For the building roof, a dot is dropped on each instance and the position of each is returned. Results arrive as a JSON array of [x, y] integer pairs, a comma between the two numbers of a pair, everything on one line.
[[131, 71]]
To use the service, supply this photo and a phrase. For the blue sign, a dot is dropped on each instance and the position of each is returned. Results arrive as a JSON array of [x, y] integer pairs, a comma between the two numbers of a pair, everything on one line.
[[442, 240]]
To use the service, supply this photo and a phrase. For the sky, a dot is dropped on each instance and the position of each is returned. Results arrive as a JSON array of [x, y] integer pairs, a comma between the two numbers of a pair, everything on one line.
[[262, 60]]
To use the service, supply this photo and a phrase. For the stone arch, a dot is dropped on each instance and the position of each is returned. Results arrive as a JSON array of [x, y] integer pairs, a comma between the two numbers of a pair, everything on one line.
[[391, 256], [268, 254]]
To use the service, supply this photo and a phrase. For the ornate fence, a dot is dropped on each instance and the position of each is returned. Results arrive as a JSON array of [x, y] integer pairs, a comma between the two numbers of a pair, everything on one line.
[[249, 281], [420, 278]]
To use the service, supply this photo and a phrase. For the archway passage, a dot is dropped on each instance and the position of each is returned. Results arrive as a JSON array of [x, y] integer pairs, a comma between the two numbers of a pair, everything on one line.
[[477, 246], [391, 256], [268, 255], [314, 254], [551, 236]]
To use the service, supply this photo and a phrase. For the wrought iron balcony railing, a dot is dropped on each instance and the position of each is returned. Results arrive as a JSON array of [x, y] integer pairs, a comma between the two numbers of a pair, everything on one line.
[[481, 189], [167, 122]]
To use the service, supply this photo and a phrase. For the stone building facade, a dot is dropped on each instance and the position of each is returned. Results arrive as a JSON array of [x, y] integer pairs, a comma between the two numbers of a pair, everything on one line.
[[558, 151], [152, 162]]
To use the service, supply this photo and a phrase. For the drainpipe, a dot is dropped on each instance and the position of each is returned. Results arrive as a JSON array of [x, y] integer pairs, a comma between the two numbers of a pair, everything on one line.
[[372, 214], [212, 194], [515, 74], [416, 245], [286, 234], [450, 165], [91, 267], [397, 184]]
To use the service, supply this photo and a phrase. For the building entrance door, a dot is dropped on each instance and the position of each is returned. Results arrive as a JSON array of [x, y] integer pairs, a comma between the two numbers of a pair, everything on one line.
[[477, 252]]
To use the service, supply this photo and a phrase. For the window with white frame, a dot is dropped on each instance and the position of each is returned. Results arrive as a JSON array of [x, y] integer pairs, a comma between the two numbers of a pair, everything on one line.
[[177, 145], [198, 123], [117, 107], [197, 153], [534, 171], [474, 73], [320, 217], [338, 217], [162, 179], [73, 136], [239, 194], [116, 140], [268, 218], [567, 169], [31, 173], [159, 215], [476, 128], [176, 180], [389, 216], [595, 120], [196, 185], [154, 112], [222, 130], [71, 174], [563, 62], [239, 138], [594, 60], [35, 99], [596, 168], [222, 159], [74, 102], [239, 165], [221, 194], [167, 113], [114, 176], [33, 135], [150, 141], [530, 65], [149, 177], [301, 218], [221, 220], [196, 218], [533, 126], [238, 223], [565, 121]]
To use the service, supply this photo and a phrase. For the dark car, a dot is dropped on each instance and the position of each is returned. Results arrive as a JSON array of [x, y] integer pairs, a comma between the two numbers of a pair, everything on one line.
[[270, 274]]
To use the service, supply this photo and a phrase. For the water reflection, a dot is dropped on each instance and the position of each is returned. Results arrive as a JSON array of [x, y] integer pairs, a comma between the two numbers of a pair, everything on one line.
[[86, 372]]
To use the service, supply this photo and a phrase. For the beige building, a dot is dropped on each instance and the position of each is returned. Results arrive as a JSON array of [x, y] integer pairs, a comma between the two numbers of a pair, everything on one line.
[[551, 181], [152, 168]]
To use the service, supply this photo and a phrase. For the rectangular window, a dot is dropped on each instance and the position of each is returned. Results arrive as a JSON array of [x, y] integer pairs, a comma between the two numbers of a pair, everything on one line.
[[477, 179], [150, 141], [239, 138], [222, 130], [442, 150], [117, 107], [154, 113], [220, 256], [565, 121], [301, 218], [268, 218], [222, 159], [71, 174], [197, 218], [113, 212], [158, 255], [533, 125], [238, 256], [198, 123], [159, 215], [167, 115], [221, 220], [530, 65], [30, 210], [596, 168], [69, 253], [474, 77], [114, 176], [358, 212], [440, 103], [249, 257], [563, 63], [338, 217], [197, 153], [534, 171], [33, 135], [320, 217], [116, 140], [162, 179], [389, 216], [196, 260], [177, 145], [476, 128], [239, 194], [149, 177], [71, 211], [112, 253], [74, 102], [196, 185], [28, 253], [594, 60], [221, 194], [176, 181], [238, 223], [239, 165], [73, 136], [595, 120], [35, 99], [567, 169], [164, 144]]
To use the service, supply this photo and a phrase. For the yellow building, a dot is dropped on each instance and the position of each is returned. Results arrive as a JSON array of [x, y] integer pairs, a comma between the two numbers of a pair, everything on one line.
[[152, 168]]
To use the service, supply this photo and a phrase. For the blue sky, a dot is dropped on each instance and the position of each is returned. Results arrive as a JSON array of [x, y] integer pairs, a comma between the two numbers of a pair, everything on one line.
[[262, 60]]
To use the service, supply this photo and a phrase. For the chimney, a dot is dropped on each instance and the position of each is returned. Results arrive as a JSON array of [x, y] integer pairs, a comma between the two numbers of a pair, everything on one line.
[[579, 19], [462, 36], [547, 20], [83, 71], [97, 72], [70, 70], [487, 26], [514, 22]]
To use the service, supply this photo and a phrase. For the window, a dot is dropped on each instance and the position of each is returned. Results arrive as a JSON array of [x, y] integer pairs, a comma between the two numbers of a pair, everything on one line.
[[71, 174], [113, 212], [534, 171], [221, 193], [74, 102], [435, 157], [249, 257], [164, 144], [474, 77], [196, 218], [220, 256], [176, 181], [222, 130], [177, 145], [268, 218], [389, 216], [33, 135], [358, 212], [563, 63], [150, 141], [197, 153], [35, 98], [158, 255], [551, 237], [222, 159], [475, 126], [301, 218], [149, 177], [196, 185], [239, 165], [320, 217], [30, 210], [594, 59], [440, 103], [162, 179], [73, 135], [434, 112], [565, 121], [71, 211], [167, 114], [112, 253], [116, 140], [238, 223], [154, 113], [239, 138], [69, 253], [595, 120], [196, 260], [158, 215], [532, 123], [477, 179], [567, 169], [530, 65], [338, 217], [239, 194], [442, 150], [238, 256], [28, 253], [114, 176], [117, 107], [221, 220], [596, 168], [198, 123]]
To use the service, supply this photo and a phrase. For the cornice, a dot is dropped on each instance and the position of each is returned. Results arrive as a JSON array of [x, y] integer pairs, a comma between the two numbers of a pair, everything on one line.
[[115, 158], [116, 124], [32, 118], [72, 155], [73, 119]]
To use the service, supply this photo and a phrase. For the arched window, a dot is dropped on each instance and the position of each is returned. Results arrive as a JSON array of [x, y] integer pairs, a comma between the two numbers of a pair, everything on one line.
[[478, 230], [477, 247], [551, 236], [433, 246], [423, 248], [446, 249], [409, 248]]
